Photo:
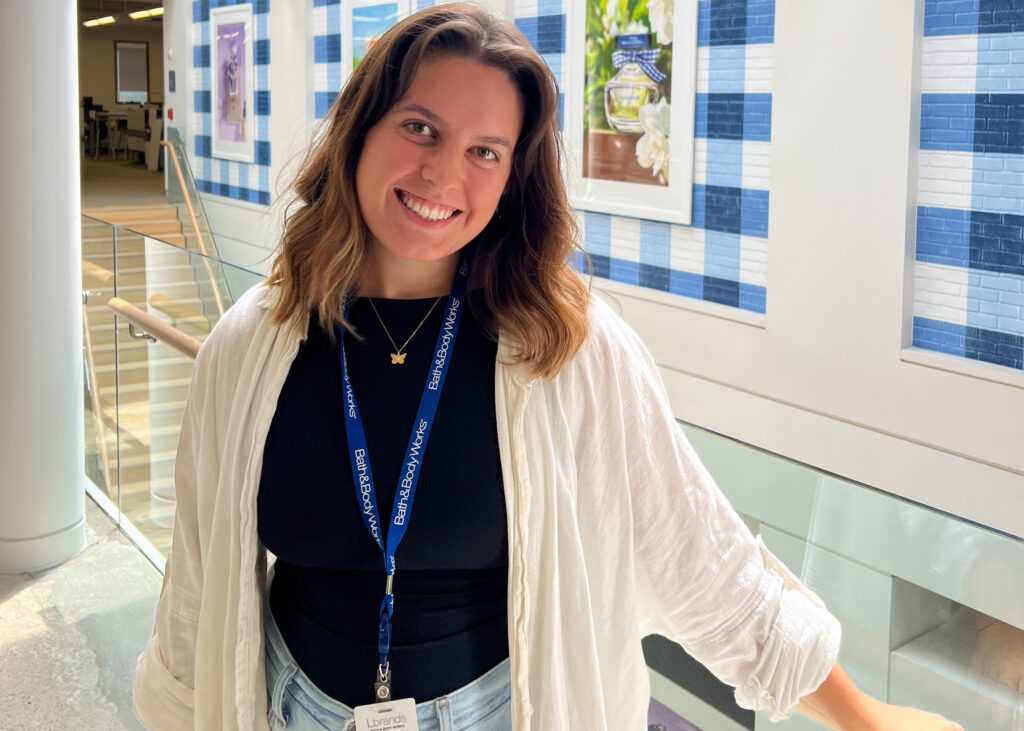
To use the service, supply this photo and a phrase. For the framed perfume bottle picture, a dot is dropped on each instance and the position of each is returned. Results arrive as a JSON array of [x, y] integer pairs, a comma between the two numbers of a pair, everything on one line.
[[629, 121], [232, 78]]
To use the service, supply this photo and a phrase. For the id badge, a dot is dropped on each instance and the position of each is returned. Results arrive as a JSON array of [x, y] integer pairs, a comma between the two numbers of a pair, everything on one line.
[[388, 716]]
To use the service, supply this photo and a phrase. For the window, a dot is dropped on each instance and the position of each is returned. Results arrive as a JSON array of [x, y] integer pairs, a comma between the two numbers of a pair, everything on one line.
[[132, 72]]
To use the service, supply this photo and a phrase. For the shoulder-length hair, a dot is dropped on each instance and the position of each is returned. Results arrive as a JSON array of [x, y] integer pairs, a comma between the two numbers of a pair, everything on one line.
[[521, 282]]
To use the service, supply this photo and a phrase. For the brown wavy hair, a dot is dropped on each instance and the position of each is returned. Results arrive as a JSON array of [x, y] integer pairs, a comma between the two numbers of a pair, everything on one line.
[[521, 282]]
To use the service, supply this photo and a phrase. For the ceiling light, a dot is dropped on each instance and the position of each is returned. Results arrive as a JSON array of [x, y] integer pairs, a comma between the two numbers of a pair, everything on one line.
[[152, 13], [106, 20]]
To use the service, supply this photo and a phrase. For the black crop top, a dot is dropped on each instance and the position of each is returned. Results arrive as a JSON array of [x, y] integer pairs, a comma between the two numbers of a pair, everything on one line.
[[450, 618]]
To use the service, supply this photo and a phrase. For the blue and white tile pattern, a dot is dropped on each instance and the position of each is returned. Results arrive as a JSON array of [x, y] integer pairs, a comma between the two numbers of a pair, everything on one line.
[[969, 285], [238, 180]]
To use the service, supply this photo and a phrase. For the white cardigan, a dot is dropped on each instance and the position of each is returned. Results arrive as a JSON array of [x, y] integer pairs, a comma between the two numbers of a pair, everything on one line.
[[615, 531]]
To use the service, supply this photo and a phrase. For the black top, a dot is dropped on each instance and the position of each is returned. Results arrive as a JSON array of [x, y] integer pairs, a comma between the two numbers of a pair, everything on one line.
[[450, 619]]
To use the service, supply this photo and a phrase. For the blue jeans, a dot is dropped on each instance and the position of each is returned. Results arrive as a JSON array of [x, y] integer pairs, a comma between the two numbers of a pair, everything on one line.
[[293, 702]]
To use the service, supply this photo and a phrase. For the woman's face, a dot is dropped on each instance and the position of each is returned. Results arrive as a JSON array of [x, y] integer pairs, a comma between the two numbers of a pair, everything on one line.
[[433, 168]]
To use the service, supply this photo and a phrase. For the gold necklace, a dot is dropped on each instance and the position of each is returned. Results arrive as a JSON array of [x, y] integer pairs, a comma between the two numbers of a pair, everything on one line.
[[398, 357]]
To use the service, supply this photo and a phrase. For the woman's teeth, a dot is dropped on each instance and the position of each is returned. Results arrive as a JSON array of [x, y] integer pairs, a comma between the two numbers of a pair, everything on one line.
[[431, 213]]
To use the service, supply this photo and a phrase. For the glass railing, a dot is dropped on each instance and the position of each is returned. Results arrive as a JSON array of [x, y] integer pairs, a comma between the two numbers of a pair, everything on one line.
[[932, 606], [135, 388], [183, 194]]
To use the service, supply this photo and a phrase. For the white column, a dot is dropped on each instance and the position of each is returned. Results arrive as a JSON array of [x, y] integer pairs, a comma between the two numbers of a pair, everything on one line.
[[42, 473]]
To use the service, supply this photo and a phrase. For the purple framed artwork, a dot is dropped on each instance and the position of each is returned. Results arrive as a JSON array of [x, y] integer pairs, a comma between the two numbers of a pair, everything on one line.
[[232, 78]]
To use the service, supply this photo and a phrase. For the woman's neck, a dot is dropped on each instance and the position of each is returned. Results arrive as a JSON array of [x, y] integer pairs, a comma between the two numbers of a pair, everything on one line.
[[390, 277]]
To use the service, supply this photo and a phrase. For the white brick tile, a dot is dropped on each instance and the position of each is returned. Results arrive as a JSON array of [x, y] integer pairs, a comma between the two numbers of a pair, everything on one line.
[[760, 68], [949, 64], [320, 21], [700, 161], [625, 238], [944, 179], [687, 249], [940, 292], [754, 260], [703, 69], [756, 164]]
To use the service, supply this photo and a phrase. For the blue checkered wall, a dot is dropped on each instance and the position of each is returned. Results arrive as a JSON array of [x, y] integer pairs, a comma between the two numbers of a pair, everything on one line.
[[969, 271], [241, 181], [327, 56], [722, 256]]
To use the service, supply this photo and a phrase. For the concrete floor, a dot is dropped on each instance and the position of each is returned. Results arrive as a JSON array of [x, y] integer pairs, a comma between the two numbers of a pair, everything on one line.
[[70, 635]]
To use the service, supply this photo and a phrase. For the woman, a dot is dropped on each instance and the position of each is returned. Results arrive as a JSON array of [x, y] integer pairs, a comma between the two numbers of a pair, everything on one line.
[[561, 516]]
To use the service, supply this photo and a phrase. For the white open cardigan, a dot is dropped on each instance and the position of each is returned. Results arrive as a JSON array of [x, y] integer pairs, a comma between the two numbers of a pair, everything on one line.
[[615, 531]]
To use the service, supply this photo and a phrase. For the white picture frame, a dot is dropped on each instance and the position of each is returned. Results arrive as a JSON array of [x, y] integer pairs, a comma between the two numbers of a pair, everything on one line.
[[232, 83], [671, 202], [369, 18]]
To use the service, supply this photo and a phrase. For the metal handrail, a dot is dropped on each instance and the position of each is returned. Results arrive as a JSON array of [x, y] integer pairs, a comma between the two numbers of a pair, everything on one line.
[[152, 326], [195, 223]]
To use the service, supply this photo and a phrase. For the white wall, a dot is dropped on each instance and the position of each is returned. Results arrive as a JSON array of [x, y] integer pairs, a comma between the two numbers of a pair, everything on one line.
[[96, 69], [824, 382]]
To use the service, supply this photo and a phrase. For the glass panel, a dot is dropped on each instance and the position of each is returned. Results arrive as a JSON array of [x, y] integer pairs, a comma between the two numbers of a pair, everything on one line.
[[183, 194], [99, 356], [932, 607], [186, 291]]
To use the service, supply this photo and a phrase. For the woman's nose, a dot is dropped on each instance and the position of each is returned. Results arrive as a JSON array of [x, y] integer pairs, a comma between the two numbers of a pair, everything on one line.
[[441, 168]]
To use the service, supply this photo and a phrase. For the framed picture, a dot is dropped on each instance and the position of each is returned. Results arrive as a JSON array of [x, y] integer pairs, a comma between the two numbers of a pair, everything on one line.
[[630, 112], [232, 78], [363, 22]]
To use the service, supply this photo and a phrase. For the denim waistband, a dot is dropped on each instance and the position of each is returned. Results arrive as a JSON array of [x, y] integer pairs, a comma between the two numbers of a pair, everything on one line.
[[475, 704]]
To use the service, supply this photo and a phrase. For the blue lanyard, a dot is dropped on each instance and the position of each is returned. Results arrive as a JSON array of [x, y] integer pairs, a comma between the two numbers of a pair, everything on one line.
[[359, 454]]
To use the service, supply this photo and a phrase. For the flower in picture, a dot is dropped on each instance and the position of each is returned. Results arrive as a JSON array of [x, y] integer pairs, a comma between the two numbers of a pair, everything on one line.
[[660, 14], [611, 27], [652, 147]]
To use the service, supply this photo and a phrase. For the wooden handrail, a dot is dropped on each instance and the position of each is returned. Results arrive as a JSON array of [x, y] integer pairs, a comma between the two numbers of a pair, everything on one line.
[[100, 275], [149, 324], [97, 407], [188, 200], [195, 223]]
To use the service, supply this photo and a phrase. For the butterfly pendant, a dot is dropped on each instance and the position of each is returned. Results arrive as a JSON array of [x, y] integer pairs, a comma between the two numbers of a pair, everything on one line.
[[398, 358]]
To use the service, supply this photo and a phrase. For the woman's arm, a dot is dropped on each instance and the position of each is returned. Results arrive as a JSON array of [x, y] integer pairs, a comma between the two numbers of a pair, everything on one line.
[[838, 704]]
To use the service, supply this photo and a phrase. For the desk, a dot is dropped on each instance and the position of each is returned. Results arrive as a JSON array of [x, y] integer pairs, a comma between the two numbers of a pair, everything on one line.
[[104, 118]]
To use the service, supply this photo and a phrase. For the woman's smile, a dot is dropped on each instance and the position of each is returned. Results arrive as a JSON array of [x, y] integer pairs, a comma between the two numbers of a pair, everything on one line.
[[425, 209]]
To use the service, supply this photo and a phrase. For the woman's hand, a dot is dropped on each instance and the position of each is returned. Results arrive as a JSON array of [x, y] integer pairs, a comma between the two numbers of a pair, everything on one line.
[[881, 717], [839, 704]]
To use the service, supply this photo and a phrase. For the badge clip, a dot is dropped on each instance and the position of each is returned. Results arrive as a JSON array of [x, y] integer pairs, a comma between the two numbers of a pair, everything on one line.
[[382, 686]]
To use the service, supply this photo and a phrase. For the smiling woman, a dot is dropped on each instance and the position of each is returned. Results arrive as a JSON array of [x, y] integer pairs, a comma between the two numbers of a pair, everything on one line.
[[546, 510]]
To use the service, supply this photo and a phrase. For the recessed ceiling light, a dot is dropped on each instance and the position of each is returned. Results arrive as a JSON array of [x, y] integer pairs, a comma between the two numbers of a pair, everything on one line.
[[151, 13]]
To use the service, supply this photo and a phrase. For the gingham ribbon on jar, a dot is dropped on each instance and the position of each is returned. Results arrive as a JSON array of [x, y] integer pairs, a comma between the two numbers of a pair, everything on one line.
[[643, 59]]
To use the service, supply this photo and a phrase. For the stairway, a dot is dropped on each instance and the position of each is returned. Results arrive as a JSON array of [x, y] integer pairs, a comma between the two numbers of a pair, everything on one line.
[[154, 378]]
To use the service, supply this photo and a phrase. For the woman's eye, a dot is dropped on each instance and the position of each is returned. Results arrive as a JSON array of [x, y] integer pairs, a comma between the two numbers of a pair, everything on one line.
[[419, 128], [485, 153]]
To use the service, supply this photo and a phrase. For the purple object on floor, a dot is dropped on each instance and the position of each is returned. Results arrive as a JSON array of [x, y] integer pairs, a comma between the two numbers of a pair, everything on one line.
[[659, 714]]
